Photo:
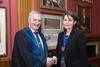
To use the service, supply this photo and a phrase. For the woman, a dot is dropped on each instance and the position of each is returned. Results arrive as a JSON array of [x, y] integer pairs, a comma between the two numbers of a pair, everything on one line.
[[71, 45]]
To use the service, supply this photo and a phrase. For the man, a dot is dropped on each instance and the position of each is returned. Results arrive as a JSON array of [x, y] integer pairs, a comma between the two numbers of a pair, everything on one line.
[[84, 21], [30, 48]]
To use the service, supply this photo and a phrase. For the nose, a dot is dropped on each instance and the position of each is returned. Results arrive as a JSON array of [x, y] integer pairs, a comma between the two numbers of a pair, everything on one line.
[[38, 22], [66, 21]]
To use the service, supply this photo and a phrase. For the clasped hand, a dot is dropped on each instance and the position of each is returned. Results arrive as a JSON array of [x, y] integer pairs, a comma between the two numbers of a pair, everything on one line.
[[51, 61]]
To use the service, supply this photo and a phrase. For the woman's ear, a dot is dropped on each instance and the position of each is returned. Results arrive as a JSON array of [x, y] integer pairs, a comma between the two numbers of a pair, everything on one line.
[[74, 22]]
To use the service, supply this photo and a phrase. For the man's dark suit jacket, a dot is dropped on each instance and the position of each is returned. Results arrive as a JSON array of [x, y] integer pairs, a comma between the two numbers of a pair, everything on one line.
[[26, 52], [75, 51]]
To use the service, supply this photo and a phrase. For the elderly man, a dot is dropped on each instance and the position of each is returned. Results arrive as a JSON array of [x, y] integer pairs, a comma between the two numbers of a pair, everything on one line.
[[30, 48]]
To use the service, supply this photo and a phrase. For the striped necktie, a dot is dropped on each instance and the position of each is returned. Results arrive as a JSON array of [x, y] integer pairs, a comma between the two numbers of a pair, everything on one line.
[[39, 44]]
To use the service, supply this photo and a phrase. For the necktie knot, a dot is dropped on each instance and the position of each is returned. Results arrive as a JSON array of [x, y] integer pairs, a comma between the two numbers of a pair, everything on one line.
[[35, 33]]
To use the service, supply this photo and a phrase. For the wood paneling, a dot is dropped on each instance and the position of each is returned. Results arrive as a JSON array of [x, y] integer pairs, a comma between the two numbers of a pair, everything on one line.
[[5, 62], [24, 7], [95, 61]]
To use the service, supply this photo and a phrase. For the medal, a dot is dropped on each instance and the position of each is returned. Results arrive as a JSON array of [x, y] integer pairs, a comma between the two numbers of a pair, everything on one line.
[[62, 49]]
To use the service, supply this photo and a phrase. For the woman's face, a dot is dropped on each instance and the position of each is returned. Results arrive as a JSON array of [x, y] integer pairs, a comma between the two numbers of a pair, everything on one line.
[[68, 22]]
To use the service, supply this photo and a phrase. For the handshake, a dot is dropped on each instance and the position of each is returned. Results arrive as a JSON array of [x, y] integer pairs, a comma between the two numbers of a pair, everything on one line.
[[51, 61]]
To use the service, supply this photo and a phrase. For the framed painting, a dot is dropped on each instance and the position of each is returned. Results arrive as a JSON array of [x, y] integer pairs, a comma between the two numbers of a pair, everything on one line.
[[84, 13], [2, 31], [53, 4], [51, 23], [51, 26]]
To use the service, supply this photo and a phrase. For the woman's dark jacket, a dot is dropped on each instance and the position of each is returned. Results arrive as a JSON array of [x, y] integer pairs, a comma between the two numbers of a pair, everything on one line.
[[75, 51]]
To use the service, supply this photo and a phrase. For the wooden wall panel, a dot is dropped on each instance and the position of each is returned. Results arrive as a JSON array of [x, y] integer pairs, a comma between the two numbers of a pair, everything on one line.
[[5, 62], [24, 6]]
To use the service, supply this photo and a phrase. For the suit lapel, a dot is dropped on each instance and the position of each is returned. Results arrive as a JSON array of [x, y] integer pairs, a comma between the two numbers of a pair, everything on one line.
[[30, 36], [44, 44], [32, 40], [70, 40]]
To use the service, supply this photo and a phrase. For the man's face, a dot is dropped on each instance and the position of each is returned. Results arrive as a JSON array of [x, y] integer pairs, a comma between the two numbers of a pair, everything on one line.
[[35, 22], [84, 12]]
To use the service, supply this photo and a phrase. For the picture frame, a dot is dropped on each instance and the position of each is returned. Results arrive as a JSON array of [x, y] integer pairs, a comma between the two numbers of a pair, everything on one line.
[[53, 4], [88, 1], [84, 13], [51, 26], [3, 18]]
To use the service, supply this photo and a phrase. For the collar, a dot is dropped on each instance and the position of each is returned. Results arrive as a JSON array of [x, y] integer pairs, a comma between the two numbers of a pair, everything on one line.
[[31, 29]]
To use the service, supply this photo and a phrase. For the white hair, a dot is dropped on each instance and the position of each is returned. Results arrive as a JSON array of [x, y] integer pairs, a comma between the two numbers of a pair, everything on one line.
[[32, 13]]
